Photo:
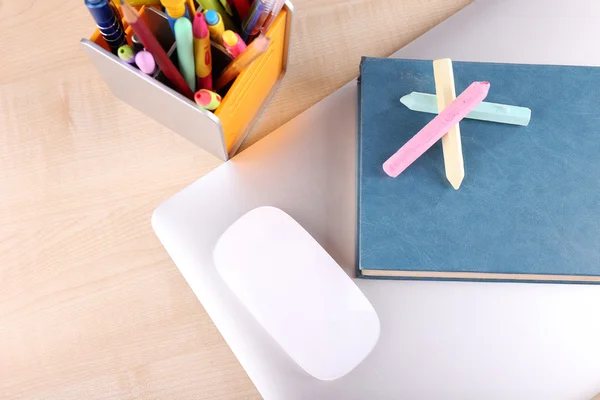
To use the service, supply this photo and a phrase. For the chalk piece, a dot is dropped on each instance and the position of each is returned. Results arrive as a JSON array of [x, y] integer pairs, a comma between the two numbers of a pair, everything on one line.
[[492, 112], [451, 144], [436, 128]]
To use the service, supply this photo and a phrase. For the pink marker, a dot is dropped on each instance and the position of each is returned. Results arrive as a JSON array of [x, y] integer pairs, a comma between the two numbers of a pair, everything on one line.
[[436, 128], [233, 43], [202, 54], [145, 62]]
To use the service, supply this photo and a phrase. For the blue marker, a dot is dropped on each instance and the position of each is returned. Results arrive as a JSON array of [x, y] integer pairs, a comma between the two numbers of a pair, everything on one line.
[[108, 20], [256, 17]]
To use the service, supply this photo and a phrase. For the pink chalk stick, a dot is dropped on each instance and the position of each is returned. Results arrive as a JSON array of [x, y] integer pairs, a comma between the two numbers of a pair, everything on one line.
[[436, 128]]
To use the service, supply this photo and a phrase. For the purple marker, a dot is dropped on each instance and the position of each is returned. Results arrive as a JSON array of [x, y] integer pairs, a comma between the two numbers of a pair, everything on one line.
[[145, 62]]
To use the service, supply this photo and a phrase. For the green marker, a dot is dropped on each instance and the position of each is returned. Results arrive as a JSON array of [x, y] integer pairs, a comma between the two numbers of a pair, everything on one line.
[[185, 51], [484, 111], [126, 54]]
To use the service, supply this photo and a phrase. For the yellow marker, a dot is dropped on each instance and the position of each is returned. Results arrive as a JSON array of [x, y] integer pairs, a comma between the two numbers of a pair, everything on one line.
[[174, 8], [233, 43], [215, 25], [451, 143]]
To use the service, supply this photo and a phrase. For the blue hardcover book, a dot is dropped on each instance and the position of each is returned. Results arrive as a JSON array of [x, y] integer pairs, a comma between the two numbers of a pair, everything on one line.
[[529, 206]]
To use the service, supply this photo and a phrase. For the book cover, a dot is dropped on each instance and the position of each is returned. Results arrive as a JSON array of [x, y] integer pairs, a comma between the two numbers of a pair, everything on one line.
[[529, 206]]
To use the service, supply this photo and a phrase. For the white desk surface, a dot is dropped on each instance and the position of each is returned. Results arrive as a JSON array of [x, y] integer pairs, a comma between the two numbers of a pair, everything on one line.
[[439, 339]]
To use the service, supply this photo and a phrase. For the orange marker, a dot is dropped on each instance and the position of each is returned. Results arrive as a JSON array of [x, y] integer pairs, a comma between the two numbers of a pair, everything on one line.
[[202, 52]]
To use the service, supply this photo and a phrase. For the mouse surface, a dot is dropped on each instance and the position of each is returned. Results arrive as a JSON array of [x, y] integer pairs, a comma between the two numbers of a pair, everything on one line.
[[297, 292]]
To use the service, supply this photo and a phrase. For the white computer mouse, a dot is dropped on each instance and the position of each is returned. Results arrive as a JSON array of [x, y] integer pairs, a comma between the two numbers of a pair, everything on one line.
[[297, 292]]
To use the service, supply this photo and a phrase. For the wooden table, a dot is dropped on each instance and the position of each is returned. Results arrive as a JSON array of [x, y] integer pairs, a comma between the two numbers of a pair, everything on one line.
[[91, 305]]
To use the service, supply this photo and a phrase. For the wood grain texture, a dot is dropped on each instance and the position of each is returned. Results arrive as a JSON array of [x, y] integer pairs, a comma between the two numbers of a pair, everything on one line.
[[91, 306]]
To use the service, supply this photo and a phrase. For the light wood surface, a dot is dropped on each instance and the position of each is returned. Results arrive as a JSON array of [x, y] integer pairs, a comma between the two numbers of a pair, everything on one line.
[[91, 306]]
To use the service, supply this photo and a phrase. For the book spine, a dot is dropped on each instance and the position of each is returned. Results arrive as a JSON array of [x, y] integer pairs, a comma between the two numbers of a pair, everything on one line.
[[358, 164]]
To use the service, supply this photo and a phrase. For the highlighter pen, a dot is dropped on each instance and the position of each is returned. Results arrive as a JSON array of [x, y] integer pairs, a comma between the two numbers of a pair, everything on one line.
[[145, 62], [216, 5], [174, 9], [233, 43], [215, 25], [259, 12], [108, 20], [185, 51], [207, 100], [126, 54], [202, 52]]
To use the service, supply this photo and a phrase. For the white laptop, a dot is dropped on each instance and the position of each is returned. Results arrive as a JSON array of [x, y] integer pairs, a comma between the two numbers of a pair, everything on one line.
[[439, 340]]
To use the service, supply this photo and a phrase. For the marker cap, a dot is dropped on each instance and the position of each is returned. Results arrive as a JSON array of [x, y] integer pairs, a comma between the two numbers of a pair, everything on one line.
[[207, 100], [126, 53], [212, 17], [230, 38], [145, 62]]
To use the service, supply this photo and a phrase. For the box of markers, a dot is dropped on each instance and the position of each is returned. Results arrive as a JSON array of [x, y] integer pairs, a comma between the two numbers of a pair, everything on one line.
[[221, 131]]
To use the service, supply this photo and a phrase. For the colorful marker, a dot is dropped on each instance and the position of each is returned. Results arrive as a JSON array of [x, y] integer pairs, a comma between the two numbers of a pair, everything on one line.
[[207, 100], [233, 43], [185, 51], [145, 62], [215, 25], [259, 12], [174, 9], [202, 52], [436, 128], [108, 20], [216, 5], [126, 54]]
